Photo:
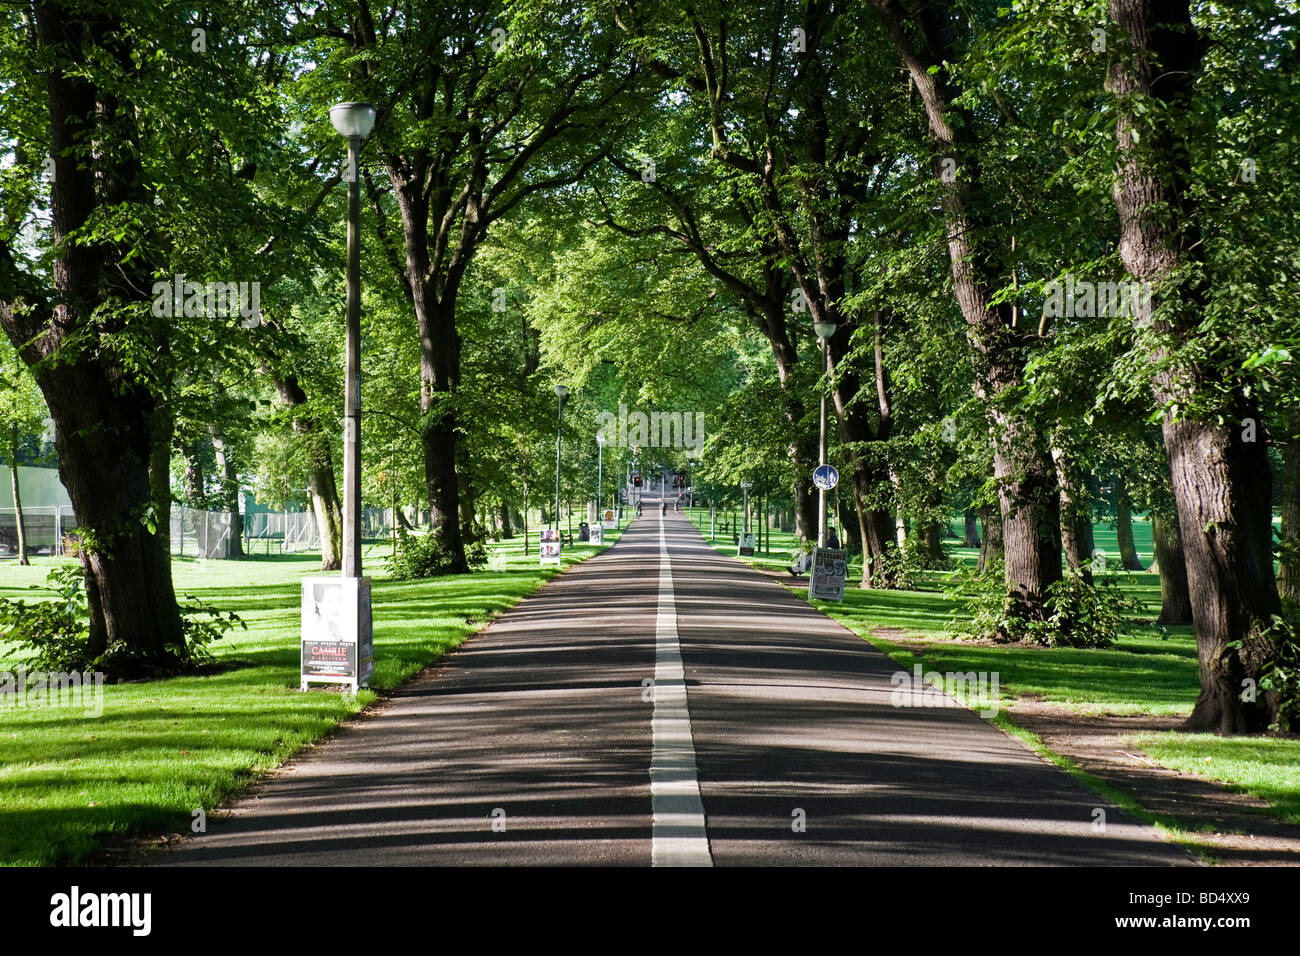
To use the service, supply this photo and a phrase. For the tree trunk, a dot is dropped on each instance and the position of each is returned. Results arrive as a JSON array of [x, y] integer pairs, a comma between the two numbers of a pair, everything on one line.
[[1175, 600], [869, 469], [438, 442], [400, 520], [469, 523], [933, 542], [18, 498], [991, 549], [194, 483], [971, 537], [1288, 580], [1128, 555], [101, 409], [433, 300], [1221, 482], [507, 531], [104, 447], [160, 477], [322, 486], [1022, 466], [229, 492], [1076, 516]]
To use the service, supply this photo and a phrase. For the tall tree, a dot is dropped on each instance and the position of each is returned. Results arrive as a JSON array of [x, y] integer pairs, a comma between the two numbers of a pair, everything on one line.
[[1211, 417], [979, 254], [480, 106]]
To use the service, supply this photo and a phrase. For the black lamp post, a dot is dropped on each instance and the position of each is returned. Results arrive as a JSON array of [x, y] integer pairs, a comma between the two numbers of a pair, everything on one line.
[[354, 121]]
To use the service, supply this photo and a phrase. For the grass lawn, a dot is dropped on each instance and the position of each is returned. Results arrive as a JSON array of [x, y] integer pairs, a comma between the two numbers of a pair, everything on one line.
[[163, 749], [1148, 671]]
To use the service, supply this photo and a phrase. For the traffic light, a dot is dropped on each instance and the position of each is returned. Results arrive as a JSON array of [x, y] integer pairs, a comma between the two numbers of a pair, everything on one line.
[[636, 480]]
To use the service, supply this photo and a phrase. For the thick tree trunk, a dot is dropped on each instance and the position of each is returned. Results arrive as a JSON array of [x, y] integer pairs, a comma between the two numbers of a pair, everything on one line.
[[933, 542], [771, 319], [438, 440], [1221, 482], [1288, 580], [433, 300], [1222, 487], [102, 411], [971, 535], [991, 549], [104, 447], [1175, 600], [1128, 555]]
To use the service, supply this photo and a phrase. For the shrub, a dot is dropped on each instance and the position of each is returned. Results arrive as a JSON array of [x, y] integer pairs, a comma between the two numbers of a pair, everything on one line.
[[425, 556], [898, 568], [1078, 614], [1281, 675], [57, 632]]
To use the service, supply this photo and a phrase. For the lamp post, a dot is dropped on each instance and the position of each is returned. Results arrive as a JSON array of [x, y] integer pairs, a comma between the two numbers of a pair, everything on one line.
[[600, 472], [824, 331], [336, 610], [353, 121], [745, 486], [561, 392]]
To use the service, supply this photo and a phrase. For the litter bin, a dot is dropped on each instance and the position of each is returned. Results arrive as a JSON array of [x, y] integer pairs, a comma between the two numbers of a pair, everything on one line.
[[584, 531]]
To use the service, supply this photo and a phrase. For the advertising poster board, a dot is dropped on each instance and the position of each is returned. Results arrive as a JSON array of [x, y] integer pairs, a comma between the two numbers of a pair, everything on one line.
[[337, 644], [550, 546], [828, 571]]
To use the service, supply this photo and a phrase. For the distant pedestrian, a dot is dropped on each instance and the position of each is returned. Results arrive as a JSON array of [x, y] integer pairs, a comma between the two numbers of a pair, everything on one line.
[[831, 540]]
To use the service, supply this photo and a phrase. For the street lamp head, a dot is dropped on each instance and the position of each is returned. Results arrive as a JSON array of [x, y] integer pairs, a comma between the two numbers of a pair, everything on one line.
[[353, 120], [561, 392], [600, 438], [824, 330]]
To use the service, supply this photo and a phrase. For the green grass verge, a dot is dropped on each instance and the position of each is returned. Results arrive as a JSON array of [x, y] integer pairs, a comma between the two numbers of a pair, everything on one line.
[[162, 749]]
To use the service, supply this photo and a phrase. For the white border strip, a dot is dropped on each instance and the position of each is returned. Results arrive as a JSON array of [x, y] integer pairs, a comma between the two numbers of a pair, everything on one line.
[[679, 837]]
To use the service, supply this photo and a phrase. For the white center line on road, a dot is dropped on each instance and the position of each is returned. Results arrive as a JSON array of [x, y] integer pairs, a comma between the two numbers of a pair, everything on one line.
[[679, 837]]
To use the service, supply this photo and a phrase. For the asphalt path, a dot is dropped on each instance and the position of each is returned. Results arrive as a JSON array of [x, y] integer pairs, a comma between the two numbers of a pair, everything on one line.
[[664, 704]]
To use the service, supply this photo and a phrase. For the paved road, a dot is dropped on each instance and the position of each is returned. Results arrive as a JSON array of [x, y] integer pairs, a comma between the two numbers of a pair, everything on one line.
[[663, 704]]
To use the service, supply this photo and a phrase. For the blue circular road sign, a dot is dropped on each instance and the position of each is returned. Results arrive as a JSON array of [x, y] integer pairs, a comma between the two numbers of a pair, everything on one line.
[[826, 477]]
